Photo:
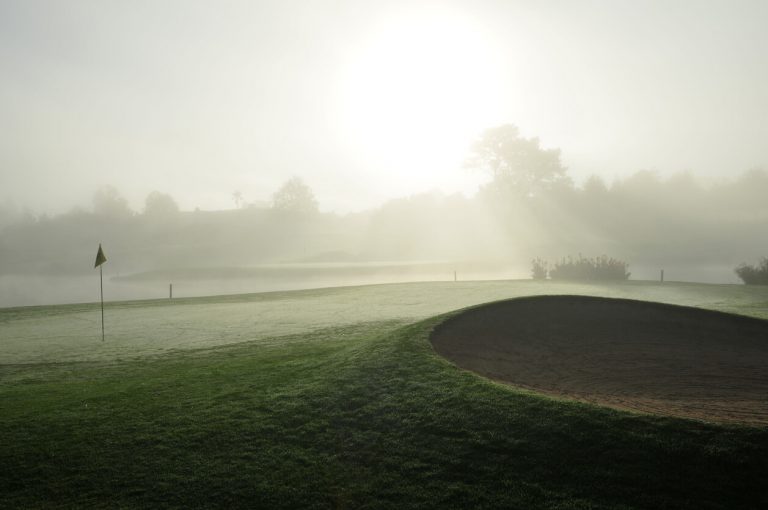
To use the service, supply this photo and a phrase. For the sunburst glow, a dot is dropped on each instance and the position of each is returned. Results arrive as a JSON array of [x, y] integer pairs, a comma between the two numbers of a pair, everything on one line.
[[415, 95]]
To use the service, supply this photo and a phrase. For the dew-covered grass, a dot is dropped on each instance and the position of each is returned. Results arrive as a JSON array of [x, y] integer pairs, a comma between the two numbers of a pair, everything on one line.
[[53, 334], [334, 399]]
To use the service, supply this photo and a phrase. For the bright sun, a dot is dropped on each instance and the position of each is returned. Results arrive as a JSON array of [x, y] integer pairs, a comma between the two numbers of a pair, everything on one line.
[[417, 93]]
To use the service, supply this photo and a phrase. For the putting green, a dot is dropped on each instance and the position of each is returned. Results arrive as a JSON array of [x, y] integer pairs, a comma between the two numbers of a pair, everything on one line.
[[137, 329]]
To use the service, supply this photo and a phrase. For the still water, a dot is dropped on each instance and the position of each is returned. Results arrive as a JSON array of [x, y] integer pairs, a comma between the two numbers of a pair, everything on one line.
[[25, 290]]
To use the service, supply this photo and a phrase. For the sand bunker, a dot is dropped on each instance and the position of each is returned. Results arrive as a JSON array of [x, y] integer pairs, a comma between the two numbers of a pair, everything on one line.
[[637, 355]]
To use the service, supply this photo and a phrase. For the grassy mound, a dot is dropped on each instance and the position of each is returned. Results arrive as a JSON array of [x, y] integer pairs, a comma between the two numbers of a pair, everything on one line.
[[356, 416]]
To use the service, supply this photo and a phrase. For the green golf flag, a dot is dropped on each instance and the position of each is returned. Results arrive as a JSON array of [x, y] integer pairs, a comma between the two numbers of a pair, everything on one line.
[[100, 258]]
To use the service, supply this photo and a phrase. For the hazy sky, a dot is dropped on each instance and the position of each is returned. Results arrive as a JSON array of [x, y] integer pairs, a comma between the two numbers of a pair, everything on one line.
[[366, 100]]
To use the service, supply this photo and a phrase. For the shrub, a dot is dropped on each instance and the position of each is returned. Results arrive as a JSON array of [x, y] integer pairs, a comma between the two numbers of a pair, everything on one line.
[[583, 268], [754, 275], [539, 269]]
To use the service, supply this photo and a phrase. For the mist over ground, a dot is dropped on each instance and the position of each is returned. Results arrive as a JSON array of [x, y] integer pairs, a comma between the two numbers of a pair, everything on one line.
[[693, 232], [274, 145]]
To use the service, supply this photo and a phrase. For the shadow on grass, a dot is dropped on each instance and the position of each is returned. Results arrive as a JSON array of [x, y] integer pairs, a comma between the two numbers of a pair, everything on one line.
[[365, 416]]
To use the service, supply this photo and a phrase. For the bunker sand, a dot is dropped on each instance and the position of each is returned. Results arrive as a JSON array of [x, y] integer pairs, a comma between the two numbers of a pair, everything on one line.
[[625, 354]]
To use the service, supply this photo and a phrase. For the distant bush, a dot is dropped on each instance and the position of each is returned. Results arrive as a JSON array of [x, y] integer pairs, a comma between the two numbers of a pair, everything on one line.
[[539, 269], [583, 268], [754, 275]]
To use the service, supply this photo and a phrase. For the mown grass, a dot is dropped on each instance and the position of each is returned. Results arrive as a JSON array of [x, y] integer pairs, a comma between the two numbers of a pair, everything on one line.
[[72, 333], [357, 416]]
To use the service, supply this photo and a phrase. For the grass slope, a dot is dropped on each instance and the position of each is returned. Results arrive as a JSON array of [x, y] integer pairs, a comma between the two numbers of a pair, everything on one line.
[[360, 415]]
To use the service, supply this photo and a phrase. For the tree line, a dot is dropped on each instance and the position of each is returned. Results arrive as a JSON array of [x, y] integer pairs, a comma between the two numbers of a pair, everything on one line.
[[642, 217], [530, 207]]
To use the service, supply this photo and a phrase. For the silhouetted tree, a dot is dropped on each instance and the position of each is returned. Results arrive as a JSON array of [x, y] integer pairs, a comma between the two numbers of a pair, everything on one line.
[[595, 186], [539, 269], [108, 202], [238, 198], [754, 275], [517, 164], [295, 196], [583, 268], [160, 205]]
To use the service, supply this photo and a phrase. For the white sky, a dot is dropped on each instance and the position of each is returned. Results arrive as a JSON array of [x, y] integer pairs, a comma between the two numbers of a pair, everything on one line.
[[366, 100]]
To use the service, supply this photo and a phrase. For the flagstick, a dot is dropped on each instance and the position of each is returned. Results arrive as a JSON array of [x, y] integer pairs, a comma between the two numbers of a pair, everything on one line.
[[101, 288]]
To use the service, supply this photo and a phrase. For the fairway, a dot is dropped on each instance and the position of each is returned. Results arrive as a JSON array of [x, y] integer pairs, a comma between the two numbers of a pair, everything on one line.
[[334, 398]]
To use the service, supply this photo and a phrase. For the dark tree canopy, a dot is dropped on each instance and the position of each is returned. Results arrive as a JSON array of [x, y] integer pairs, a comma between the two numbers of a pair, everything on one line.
[[517, 164]]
